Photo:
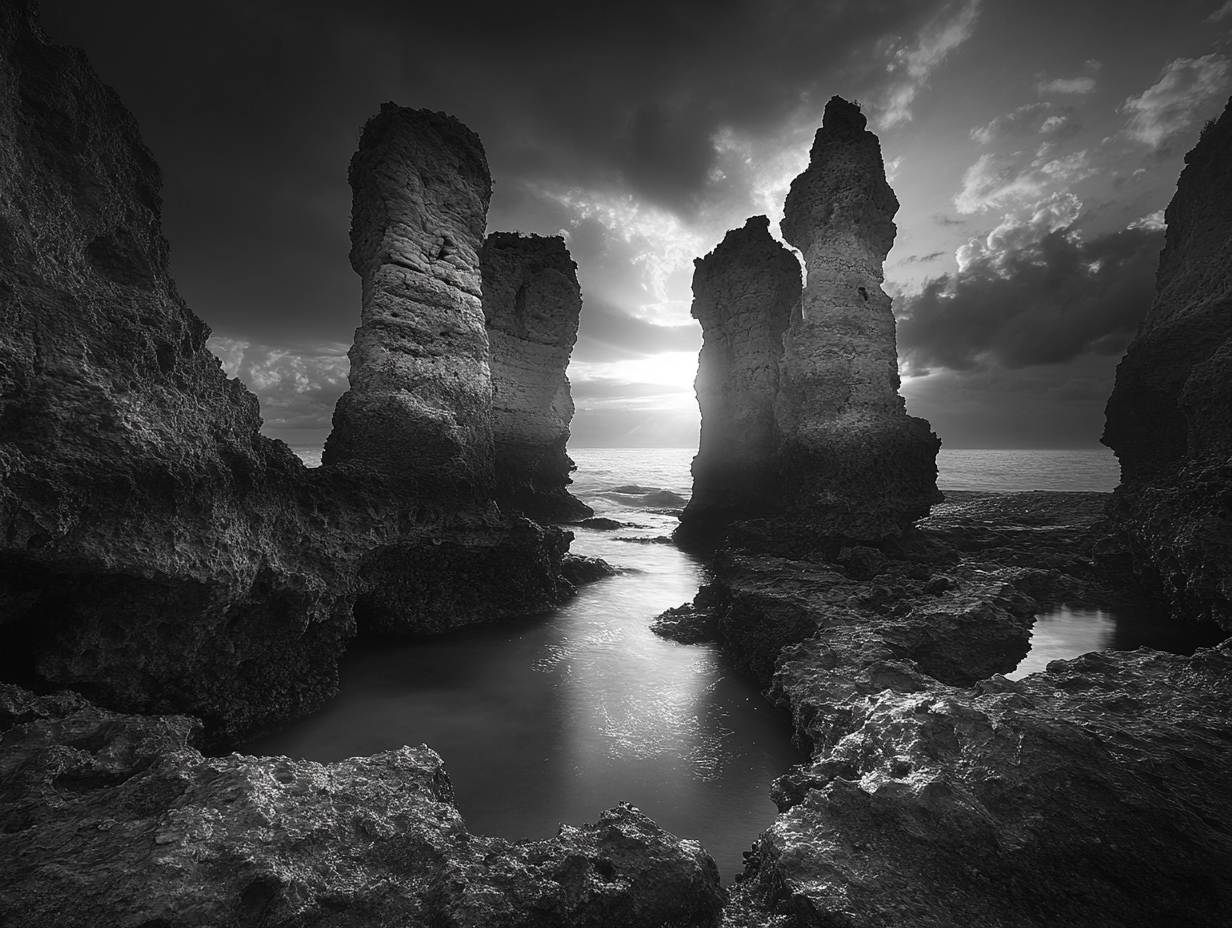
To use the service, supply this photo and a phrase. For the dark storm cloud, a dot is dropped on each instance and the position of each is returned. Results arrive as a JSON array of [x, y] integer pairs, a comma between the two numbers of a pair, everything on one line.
[[253, 110], [1046, 302], [609, 334]]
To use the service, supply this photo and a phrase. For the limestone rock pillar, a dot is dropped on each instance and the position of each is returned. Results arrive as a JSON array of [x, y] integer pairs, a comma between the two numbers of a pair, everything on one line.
[[420, 405], [532, 303], [743, 295], [853, 462]]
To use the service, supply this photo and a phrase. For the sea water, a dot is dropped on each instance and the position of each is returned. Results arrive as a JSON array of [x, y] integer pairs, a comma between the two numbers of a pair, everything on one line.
[[554, 718], [557, 717]]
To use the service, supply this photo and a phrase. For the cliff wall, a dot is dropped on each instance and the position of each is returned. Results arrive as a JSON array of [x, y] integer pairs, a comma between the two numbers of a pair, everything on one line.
[[1168, 418], [531, 303]]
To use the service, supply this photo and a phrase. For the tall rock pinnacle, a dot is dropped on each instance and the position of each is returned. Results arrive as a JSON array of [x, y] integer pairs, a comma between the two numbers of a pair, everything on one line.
[[1169, 418], [824, 439], [420, 404], [852, 459], [532, 304], [743, 295]]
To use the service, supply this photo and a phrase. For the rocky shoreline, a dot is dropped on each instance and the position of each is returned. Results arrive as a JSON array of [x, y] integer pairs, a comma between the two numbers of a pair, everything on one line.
[[193, 583], [942, 793]]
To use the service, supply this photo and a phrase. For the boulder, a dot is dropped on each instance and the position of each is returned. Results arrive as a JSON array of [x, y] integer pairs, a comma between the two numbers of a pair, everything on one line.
[[531, 304], [1167, 418]]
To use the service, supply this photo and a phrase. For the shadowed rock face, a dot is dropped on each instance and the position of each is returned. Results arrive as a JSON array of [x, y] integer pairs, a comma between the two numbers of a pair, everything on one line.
[[141, 505], [1168, 418], [532, 303], [743, 295], [420, 404], [158, 553]]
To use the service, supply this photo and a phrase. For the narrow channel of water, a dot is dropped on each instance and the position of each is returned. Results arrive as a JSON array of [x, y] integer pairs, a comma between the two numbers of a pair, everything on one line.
[[556, 718]]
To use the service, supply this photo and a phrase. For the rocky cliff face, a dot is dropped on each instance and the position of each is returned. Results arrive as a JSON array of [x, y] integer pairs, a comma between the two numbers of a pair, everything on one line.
[[158, 553], [118, 820], [1168, 417], [140, 503], [532, 304], [743, 295], [853, 459], [420, 405]]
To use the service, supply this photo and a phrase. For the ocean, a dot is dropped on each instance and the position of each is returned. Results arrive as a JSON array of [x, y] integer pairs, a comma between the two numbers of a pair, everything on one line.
[[1095, 471]]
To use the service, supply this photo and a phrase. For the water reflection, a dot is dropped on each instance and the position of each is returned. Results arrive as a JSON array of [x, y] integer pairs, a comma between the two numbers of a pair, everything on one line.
[[1069, 631], [555, 719], [1064, 633]]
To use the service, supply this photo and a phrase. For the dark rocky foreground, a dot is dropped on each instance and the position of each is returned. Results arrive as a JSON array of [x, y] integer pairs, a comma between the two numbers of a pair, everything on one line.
[[113, 819], [942, 794]]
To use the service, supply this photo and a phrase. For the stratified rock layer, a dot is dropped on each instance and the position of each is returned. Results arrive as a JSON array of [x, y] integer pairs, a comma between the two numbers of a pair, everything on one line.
[[420, 404], [532, 304], [1168, 418], [743, 295], [113, 819], [852, 459], [158, 553]]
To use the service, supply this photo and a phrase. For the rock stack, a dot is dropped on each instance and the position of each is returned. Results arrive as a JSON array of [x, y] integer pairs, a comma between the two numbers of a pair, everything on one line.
[[420, 405], [849, 464], [744, 293], [532, 303], [1169, 418]]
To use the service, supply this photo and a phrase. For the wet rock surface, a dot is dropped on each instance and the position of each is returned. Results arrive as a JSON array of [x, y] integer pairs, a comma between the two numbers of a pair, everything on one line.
[[118, 819], [532, 303], [1167, 418], [941, 793]]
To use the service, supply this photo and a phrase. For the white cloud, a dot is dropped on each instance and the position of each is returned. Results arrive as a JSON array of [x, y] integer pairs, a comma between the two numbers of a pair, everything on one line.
[[1078, 85], [1153, 220], [1171, 104], [910, 66], [1057, 211], [297, 388], [1219, 13]]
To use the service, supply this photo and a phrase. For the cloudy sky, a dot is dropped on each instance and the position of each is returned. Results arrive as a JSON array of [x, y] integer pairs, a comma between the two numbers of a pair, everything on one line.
[[1033, 145]]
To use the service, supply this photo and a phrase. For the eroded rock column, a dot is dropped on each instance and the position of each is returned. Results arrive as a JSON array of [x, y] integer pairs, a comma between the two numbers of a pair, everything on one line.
[[743, 295], [532, 303], [420, 404], [854, 464], [1169, 418]]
